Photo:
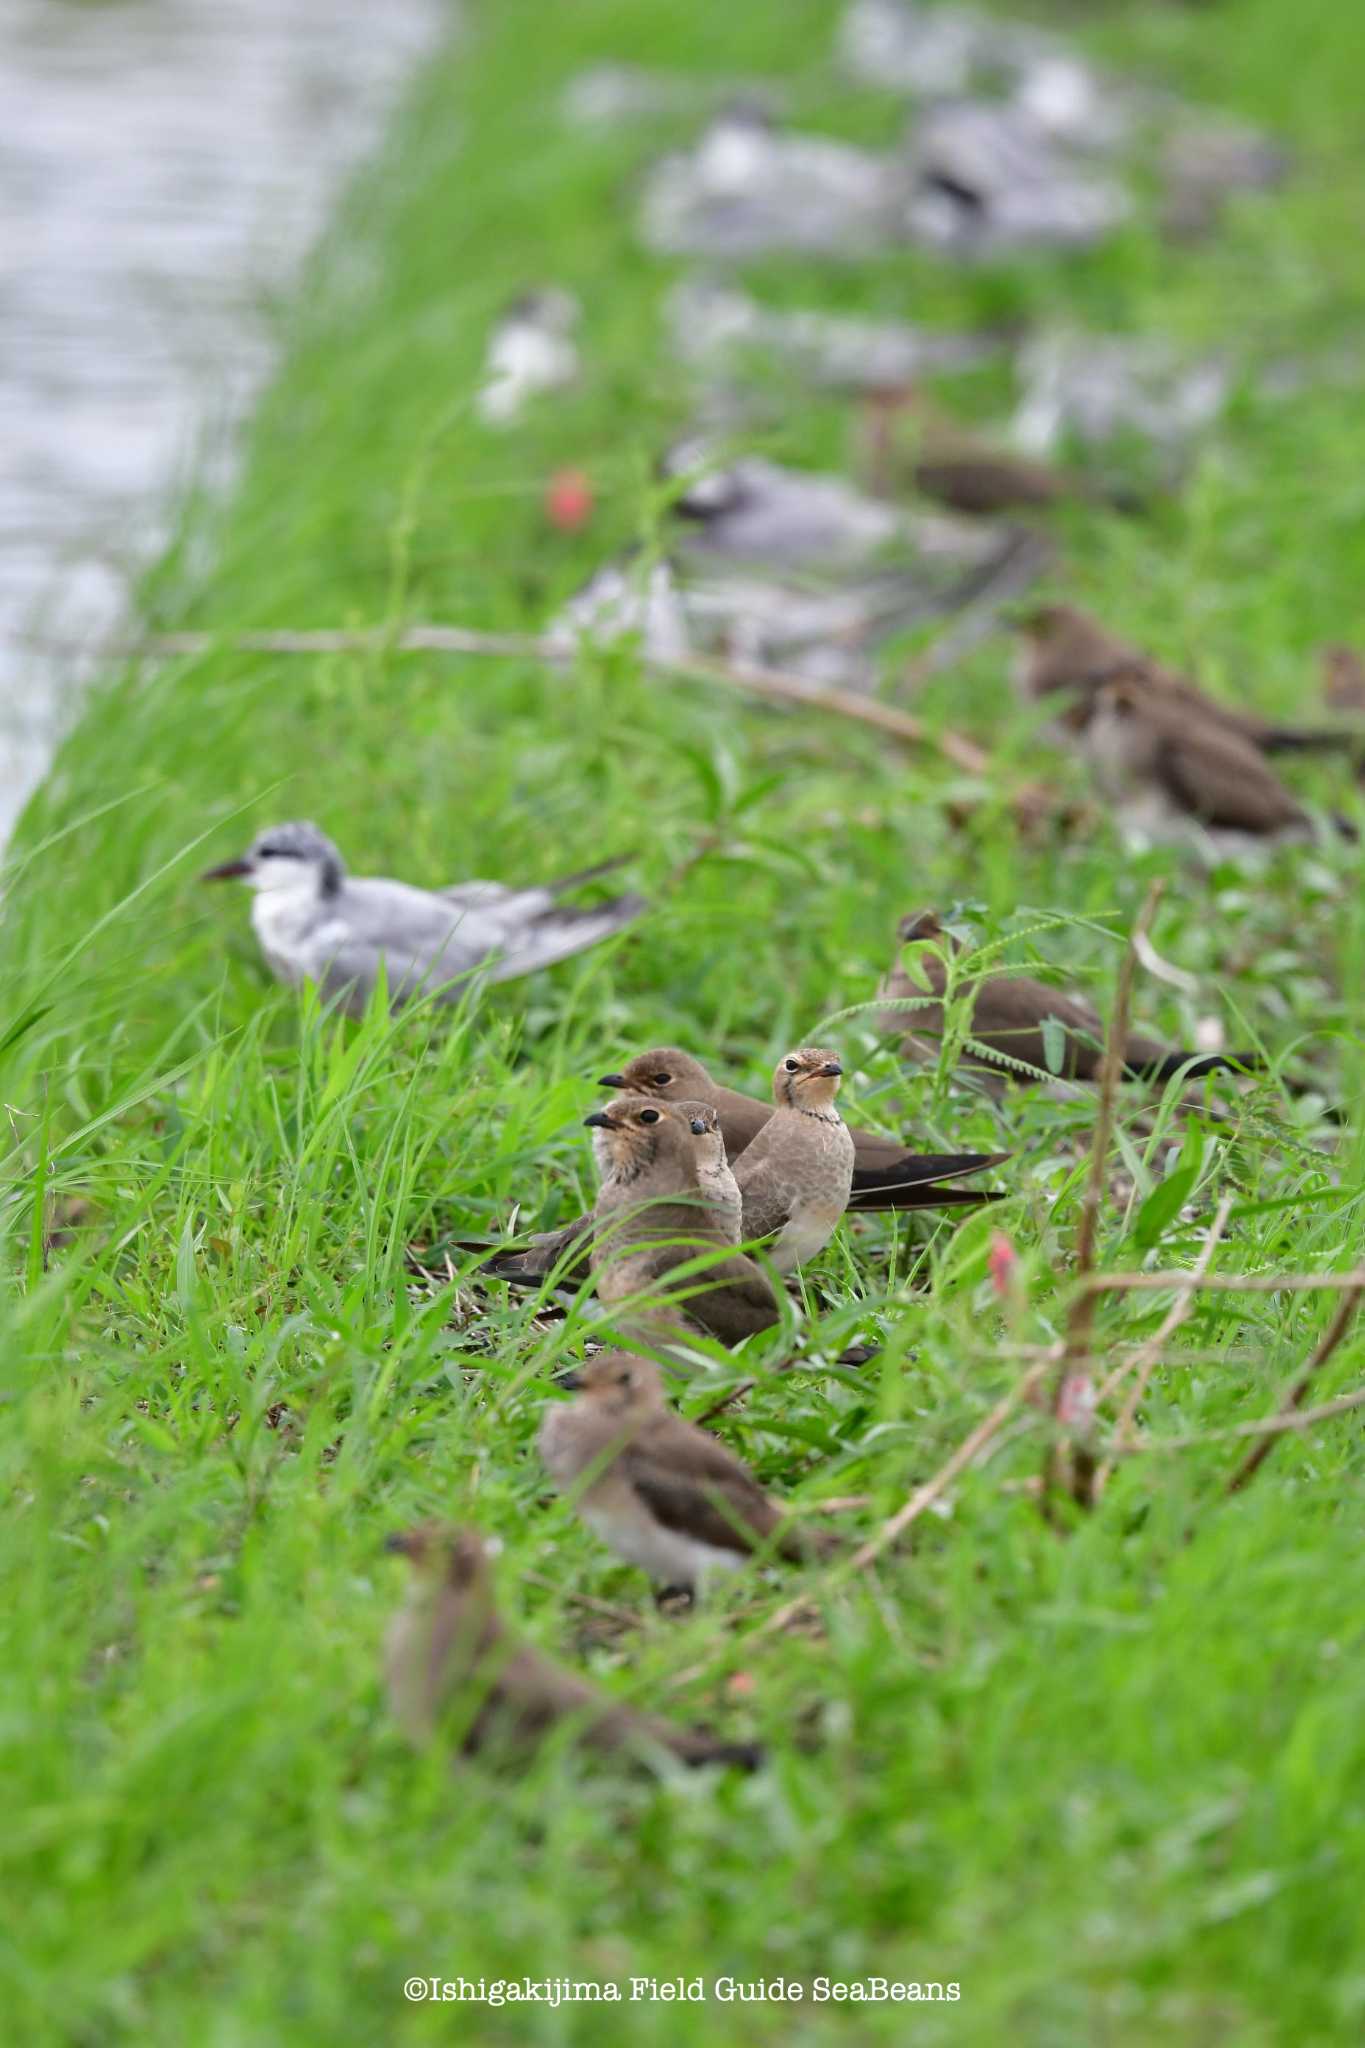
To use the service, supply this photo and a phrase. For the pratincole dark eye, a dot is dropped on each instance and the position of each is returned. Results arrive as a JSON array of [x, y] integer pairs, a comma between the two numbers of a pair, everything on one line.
[[661, 1080], [649, 1116], [792, 1066]]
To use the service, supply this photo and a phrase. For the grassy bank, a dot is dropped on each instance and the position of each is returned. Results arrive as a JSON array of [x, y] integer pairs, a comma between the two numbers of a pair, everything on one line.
[[1112, 1785]]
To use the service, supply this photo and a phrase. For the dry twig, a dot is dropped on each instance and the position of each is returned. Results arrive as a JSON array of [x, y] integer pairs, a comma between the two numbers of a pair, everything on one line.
[[920, 1501], [1271, 1427], [623, 1617], [756, 680], [1225, 1283], [1146, 1358], [1331, 1337]]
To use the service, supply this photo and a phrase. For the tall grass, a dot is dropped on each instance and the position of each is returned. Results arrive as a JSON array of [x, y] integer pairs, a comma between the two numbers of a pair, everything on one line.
[[1110, 1783]]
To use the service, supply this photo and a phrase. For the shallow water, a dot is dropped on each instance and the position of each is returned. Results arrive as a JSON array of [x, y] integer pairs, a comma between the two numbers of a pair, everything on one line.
[[164, 167]]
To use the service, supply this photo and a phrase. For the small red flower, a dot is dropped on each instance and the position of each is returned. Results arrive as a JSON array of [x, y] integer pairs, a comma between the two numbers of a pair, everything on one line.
[[569, 500]]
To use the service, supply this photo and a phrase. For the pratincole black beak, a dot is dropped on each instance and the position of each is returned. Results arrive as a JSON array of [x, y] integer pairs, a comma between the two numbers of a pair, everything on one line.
[[611, 1080], [230, 871], [600, 1121], [832, 1068], [399, 1544], [572, 1380]]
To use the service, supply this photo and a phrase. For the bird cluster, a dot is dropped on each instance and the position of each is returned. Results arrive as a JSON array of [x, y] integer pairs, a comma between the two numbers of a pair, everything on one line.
[[689, 1173], [709, 1202], [1176, 764]]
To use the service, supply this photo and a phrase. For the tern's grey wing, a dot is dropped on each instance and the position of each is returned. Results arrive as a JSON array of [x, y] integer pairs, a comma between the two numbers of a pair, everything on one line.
[[495, 899], [514, 905], [350, 968], [430, 940], [526, 944], [424, 942]]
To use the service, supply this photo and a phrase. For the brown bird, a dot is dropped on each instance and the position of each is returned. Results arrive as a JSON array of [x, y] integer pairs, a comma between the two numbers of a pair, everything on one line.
[[885, 1175], [450, 1654], [715, 1175], [1008, 1016], [796, 1175], [1170, 775], [658, 1491], [1066, 650], [946, 462], [566, 1252], [971, 476], [652, 1216]]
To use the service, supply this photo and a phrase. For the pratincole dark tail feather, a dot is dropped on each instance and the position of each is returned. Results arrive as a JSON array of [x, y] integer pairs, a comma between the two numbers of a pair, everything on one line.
[[601, 867], [741, 1756], [1296, 739], [927, 1195], [924, 1181], [1193, 1066], [922, 1166]]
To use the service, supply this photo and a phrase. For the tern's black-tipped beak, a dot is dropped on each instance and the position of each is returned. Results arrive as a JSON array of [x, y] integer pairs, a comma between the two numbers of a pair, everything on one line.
[[832, 1068], [600, 1121], [570, 1380], [229, 871], [611, 1080]]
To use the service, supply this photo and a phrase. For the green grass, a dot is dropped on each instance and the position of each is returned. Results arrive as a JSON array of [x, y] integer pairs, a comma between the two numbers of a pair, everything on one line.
[[1110, 1783]]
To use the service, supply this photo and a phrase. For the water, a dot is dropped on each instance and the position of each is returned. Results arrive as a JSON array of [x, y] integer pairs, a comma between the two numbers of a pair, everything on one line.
[[164, 167]]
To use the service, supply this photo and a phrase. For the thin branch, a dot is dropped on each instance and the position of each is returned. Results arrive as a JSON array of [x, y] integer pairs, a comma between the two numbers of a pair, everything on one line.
[[1126, 1352], [920, 1501], [622, 1616], [736, 1393], [743, 1387], [1146, 1358], [1272, 1427], [1331, 1337], [1224, 1283], [755, 679], [1072, 1452]]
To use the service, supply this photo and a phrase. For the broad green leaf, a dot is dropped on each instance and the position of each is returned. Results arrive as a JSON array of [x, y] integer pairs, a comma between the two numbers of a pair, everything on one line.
[[1163, 1205], [1054, 1045]]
